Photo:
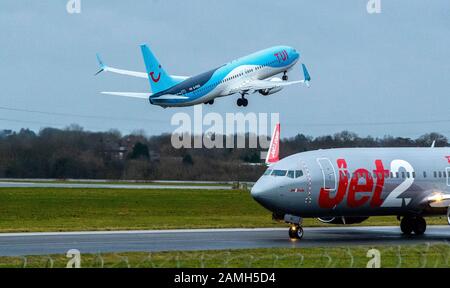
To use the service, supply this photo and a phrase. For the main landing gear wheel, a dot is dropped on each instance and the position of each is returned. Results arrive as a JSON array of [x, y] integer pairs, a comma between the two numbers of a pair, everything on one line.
[[242, 102], [418, 225], [210, 102], [296, 232]]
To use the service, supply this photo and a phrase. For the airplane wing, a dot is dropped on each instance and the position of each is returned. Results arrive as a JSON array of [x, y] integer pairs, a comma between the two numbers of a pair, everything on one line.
[[145, 96], [274, 83], [129, 94], [438, 200], [105, 68]]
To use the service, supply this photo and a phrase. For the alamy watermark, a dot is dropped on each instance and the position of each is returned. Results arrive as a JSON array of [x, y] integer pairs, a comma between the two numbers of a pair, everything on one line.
[[212, 130], [375, 262], [374, 7], [73, 6]]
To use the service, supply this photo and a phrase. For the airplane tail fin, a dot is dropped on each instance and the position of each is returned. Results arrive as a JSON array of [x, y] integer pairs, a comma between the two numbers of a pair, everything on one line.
[[273, 155], [158, 77]]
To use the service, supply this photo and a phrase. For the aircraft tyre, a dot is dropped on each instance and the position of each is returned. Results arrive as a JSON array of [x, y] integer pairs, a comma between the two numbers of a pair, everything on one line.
[[406, 225], [242, 102], [296, 232], [419, 226]]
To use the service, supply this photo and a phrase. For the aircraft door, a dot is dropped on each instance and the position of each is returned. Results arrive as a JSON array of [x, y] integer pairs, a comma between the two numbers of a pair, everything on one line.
[[448, 175], [329, 174]]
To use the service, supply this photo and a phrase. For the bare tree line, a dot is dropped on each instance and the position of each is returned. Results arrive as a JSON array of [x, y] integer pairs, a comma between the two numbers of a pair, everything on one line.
[[75, 153]]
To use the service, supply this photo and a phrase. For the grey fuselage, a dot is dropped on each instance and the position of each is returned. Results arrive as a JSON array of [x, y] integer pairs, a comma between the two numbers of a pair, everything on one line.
[[358, 182]]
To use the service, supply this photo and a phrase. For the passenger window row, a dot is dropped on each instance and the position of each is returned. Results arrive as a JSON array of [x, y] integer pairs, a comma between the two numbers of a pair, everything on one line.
[[404, 175]]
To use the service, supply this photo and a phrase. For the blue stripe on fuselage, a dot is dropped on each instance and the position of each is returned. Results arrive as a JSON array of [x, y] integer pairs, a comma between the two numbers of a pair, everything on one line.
[[201, 85]]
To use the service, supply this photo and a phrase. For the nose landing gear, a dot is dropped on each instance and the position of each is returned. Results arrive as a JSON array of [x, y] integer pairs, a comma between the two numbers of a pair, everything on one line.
[[285, 76], [409, 224], [296, 232]]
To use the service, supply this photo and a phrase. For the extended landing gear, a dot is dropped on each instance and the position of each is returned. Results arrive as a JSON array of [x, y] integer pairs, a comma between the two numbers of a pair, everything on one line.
[[296, 232], [210, 102], [418, 225], [285, 76], [242, 101]]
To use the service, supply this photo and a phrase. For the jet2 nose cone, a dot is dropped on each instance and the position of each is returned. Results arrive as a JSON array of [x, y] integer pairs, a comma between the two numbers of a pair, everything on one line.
[[260, 193], [256, 191]]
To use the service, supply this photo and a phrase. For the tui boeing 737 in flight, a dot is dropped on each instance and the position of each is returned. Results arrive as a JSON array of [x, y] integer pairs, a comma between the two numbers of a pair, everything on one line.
[[347, 186], [251, 74]]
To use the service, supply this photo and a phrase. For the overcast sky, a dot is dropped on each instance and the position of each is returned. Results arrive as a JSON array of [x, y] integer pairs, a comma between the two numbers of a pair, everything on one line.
[[372, 74]]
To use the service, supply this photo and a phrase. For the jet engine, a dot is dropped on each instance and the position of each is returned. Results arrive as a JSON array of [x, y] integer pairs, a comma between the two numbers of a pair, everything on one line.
[[448, 215], [342, 220], [266, 92]]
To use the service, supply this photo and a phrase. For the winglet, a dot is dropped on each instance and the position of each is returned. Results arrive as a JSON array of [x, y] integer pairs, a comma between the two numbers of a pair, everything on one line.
[[433, 145], [101, 64], [273, 155], [306, 75]]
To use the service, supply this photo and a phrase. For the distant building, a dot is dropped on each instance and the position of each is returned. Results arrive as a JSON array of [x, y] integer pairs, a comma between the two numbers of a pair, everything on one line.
[[116, 153]]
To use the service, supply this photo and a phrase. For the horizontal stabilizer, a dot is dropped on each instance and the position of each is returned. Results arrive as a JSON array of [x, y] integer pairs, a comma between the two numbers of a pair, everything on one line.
[[106, 68], [129, 94]]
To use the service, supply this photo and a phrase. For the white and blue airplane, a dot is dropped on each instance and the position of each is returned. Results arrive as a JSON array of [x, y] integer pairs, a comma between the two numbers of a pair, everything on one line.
[[251, 74]]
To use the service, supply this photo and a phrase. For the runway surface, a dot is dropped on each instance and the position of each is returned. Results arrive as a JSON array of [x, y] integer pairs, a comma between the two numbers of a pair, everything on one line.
[[17, 244], [110, 186]]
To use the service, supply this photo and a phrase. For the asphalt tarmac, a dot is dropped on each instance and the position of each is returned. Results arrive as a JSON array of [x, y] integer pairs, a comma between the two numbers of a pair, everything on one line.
[[19, 244]]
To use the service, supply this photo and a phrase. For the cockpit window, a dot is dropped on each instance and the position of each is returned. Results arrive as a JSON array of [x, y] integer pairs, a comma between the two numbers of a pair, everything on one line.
[[298, 173], [268, 171], [291, 174], [279, 173]]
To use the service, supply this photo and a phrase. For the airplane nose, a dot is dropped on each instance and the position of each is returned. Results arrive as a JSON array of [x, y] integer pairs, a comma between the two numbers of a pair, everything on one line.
[[256, 191], [260, 193]]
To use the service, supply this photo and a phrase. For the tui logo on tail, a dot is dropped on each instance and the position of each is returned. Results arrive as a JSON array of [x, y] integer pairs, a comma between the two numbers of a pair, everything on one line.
[[152, 75]]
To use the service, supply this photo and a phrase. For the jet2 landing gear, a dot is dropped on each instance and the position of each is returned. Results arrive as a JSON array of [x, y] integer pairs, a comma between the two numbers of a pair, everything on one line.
[[418, 225], [296, 232], [210, 102], [242, 101], [285, 76]]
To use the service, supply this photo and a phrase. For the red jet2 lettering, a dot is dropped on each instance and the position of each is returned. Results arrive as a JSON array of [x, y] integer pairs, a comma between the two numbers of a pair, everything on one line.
[[352, 187]]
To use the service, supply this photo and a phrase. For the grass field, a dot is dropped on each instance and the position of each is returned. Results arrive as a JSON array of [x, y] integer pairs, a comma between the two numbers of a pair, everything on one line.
[[55, 209], [336, 257]]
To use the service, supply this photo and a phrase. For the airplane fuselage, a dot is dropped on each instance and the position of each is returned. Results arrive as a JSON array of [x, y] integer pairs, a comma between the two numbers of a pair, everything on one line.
[[357, 182], [227, 79]]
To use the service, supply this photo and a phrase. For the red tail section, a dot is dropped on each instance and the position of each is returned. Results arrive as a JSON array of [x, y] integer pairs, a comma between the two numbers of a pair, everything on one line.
[[273, 155]]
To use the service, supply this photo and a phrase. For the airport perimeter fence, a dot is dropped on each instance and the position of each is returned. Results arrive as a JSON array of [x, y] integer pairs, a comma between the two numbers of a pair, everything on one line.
[[430, 255]]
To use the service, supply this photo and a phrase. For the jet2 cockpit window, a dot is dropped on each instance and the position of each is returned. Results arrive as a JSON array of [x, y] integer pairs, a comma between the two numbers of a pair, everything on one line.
[[268, 171], [279, 173], [298, 173], [291, 174]]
